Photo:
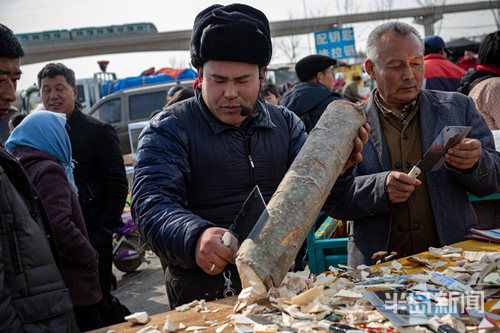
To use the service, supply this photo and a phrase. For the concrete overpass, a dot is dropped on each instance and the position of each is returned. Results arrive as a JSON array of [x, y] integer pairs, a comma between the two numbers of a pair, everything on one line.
[[179, 40]]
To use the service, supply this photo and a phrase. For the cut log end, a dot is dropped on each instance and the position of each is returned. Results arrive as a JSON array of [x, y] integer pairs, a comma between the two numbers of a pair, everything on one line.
[[253, 288]]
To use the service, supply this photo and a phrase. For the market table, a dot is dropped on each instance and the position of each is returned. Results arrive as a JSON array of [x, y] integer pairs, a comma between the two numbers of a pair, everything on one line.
[[225, 306]]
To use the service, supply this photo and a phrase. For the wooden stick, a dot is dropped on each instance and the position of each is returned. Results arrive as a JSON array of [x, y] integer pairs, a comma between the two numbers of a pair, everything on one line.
[[264, 259]]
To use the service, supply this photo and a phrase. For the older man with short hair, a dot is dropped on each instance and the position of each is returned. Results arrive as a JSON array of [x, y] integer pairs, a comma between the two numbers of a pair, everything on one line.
[[391, 210]]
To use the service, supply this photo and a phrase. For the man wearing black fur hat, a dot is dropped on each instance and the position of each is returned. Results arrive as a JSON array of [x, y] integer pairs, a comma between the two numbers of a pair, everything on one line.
[[199, 159], [309, 98]]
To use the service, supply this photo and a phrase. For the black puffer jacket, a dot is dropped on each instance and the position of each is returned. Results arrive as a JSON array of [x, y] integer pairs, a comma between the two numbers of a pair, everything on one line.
[[308, 101], [193, 172], [99, 172], [33, 297]]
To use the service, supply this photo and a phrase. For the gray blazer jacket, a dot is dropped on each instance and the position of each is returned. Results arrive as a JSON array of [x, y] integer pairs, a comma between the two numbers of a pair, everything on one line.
[[360, 194]]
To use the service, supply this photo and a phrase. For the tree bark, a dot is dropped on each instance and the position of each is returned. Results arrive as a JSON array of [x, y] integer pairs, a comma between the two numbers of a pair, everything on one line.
[[264, 258]]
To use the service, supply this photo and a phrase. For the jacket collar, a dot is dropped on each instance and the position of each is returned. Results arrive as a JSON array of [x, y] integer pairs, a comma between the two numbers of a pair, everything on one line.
[[434, 56], [376, 135], [75, 115], [429, 108], [261, 119]]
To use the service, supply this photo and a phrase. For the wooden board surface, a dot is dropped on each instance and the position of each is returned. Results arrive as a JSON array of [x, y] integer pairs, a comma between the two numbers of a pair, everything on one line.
[[225, 306]]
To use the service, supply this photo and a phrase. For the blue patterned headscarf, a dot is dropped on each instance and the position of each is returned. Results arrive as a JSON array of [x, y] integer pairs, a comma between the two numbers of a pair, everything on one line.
[[46, 131]]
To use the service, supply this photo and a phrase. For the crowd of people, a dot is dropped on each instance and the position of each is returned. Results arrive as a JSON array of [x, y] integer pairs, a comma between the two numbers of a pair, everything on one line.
[[63, 184]]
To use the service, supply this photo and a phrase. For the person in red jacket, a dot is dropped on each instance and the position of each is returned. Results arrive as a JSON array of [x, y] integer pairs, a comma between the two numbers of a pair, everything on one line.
[[469, 60], [440, 74]]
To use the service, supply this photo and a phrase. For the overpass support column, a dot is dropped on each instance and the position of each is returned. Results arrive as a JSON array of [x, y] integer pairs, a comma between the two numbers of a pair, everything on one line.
[[428, 22]]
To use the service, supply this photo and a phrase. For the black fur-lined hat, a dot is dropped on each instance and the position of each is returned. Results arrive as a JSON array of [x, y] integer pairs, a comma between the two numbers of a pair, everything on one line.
[[307, 68], [235, 32]]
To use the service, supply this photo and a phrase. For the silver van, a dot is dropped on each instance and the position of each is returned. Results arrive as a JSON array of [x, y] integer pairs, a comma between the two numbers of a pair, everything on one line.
[[132, 105]]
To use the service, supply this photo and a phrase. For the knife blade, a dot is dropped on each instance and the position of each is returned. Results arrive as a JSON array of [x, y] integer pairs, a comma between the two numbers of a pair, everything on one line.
[[252, 215], [433, 158]]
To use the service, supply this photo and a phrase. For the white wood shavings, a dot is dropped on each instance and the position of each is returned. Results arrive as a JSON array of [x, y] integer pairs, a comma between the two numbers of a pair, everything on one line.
[[249, 295], [451, 249], [110, 331], [396, 265], [254, 309], [221, 328], [439, 264], [138, 318], [348, 294], [315, 307], [287, 320], [195, 328], [182, 326], [149, 329], [169, 325], [183, 307], [324, 279], [307, 296], [239, 319], [492, 278], [214, 324], [215, 310], [293, 310], [452, 256], [259, 328], [201, 306], [473, 255], [436, 252]]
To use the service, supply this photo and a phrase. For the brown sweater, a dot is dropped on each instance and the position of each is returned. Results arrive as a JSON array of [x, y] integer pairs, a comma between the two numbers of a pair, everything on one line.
[[413, 228]]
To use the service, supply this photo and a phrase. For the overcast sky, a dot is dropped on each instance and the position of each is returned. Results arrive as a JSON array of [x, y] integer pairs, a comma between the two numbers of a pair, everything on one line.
[[24, 16]]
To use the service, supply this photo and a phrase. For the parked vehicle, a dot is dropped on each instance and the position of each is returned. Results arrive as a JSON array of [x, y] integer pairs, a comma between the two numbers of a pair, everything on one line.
[[132, 105]]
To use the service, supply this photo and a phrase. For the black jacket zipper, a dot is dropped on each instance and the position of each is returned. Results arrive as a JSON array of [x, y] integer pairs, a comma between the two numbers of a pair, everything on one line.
[[248, 152]]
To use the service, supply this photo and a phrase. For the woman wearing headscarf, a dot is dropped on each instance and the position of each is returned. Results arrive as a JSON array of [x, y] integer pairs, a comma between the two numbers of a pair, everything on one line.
[[42, 146]]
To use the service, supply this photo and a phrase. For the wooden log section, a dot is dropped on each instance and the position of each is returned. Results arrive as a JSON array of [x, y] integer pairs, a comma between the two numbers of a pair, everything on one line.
[[265, 257]]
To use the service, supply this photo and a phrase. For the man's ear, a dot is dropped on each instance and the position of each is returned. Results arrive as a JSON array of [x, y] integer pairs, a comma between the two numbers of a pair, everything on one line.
[[319, 77], [369, 68], [75, 91], [262, 76], [200, 73]]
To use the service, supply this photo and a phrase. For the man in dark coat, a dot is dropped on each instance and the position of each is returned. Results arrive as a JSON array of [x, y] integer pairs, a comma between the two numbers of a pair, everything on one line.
[[199, 159], [309, 98], [33, 297], [99, 173]]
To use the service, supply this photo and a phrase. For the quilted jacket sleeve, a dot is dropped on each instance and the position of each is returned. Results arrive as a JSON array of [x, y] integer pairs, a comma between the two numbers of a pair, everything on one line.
[[160, 192], [296, 132], [55, 192], [354, 197]]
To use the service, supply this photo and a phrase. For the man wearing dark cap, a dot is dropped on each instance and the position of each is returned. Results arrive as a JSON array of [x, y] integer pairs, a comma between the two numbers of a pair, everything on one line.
[[199, 159], [309, 98], [440, 73]]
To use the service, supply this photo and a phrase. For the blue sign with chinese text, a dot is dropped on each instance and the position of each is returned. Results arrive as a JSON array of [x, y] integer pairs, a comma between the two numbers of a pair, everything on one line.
[[336, 43]]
